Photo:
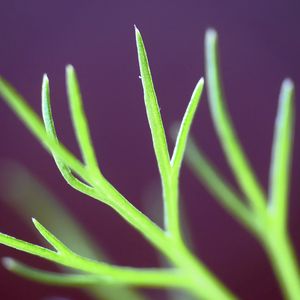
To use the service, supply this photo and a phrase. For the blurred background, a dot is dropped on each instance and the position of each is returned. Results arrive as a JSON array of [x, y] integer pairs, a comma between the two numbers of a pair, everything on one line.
[[259, 45]]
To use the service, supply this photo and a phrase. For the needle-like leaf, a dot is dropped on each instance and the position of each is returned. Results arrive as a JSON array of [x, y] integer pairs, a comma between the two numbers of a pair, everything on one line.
[[118, 274], [34, 123], [153, 111], [49, 278], [281, 154], [110, 195], [162, 279], [170, 195], [50, 128], [80, 122], [223, 124], [23, 246], [185, 126], [23, 193]]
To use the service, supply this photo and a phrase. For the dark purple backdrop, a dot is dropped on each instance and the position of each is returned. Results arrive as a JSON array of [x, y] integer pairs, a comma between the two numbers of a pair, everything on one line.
[[260, 45]]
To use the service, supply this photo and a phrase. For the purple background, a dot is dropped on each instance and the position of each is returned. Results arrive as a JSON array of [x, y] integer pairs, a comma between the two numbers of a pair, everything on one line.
[[259, 44]]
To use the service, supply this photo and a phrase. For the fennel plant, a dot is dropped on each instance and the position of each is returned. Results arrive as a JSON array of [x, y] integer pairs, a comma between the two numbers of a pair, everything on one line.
[[264, 214]]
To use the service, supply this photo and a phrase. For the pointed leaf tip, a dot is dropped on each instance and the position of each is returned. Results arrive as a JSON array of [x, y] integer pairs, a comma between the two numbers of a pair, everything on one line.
[[136, 29], [288, 84], [35, 222], [211, 33], [138, 35], [200, 82], [70, 69], [45, 77], [8, 263]]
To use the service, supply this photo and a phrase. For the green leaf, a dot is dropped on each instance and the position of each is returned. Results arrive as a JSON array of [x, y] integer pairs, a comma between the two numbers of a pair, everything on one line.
[[125, 275], [49, 278], [50, 128], [170, 193], [281, 154], [80, 122], [223, 124], [23, 246], [23, 193], [185, 126], [153, 111], [34, 123], [153, 279]]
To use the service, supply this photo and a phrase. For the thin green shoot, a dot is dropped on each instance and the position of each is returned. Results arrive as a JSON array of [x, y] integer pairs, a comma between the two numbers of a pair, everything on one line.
[[223, 124], [169, 169], [23, 193], [166, 280], [80, 122], [199, 280], [184, 130], [281, 155], [187, 272], [68, 258], [269, 220], [50, 128], [33, 122]]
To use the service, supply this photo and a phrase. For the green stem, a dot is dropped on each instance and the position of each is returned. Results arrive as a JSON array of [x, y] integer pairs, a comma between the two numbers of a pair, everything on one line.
[[284, 261], [203, 282], [172, 220]]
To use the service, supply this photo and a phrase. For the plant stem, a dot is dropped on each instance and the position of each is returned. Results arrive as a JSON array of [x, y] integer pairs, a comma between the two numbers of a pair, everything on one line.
[[172, 220], [284, 262], [203, 282]]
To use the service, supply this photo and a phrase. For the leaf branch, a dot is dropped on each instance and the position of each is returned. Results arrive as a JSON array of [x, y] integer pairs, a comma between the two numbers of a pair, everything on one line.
[[227, 135]]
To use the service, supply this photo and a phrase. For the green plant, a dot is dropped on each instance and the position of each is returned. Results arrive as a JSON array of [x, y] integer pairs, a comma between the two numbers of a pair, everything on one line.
[[27, 196], [265, 219]]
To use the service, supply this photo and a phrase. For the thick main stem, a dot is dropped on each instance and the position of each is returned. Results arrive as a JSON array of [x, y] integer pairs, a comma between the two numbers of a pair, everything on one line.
[[284, 261], [203, 283]]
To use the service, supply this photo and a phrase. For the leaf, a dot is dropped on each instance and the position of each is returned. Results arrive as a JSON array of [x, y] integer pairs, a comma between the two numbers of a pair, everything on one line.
[[281, 154], [185, 126], [50, 128], [153, 111], [23, 193], [154, 279], [23, 246], [35, 125], [223, 124], [80, 122]]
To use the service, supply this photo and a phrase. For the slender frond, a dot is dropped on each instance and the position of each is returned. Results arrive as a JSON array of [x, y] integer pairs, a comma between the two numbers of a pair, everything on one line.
[[185, 126], [80, 122], [50, 128], [34, 123], [281, 154], [156, 279], [153, 111], [224, 127]]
